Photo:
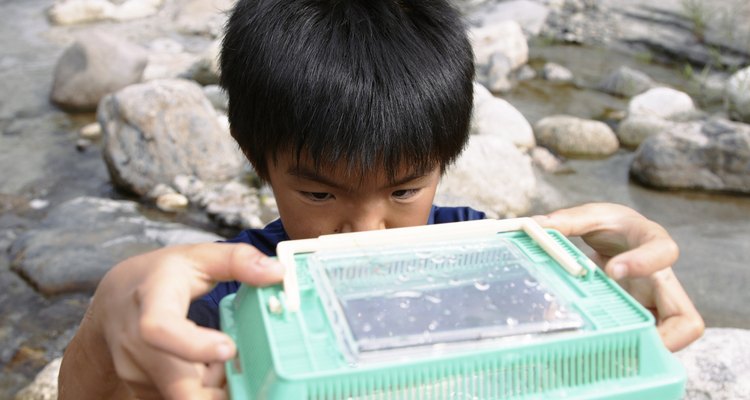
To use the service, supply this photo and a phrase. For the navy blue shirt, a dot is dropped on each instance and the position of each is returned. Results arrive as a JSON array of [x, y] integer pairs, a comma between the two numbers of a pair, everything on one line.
[[205, 311]]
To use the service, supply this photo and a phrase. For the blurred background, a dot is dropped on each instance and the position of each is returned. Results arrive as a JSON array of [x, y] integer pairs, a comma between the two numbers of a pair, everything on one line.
[[114, 141]]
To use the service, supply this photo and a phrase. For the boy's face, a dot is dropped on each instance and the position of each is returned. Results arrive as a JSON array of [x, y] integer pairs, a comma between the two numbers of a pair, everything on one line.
[[313, 203]]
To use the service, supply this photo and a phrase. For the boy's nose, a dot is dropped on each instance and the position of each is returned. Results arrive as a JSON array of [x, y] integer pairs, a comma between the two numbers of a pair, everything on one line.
[[364, 221]]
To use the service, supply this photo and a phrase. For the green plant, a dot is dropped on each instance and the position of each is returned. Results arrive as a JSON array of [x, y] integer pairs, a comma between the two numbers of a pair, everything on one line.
[[697, 12]]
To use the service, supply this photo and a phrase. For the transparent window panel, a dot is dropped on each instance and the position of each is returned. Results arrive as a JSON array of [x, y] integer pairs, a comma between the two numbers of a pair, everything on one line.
[[390, 298]]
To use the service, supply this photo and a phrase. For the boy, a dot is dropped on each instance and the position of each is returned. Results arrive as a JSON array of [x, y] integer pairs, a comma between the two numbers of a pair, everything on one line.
[[350, 110]]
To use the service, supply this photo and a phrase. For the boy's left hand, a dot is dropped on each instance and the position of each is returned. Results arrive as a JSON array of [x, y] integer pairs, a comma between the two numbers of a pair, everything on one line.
[[638, 253]]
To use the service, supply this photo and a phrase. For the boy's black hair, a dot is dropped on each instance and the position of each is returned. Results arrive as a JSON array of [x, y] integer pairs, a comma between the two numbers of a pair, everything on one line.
[[376, 84]]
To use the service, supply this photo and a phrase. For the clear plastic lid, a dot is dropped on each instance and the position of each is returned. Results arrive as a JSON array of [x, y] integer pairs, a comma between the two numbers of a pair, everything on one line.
[[386, 299]]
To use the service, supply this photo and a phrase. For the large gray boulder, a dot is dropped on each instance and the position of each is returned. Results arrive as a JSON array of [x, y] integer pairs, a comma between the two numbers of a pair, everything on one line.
[[738, 95], [718, 365], [160, 129], [80, 240], [575, 137], [93, 67], [710, 155], [491, 175]]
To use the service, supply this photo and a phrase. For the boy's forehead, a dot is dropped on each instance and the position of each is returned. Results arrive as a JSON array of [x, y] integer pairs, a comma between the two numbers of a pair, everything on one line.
[[344, 174]]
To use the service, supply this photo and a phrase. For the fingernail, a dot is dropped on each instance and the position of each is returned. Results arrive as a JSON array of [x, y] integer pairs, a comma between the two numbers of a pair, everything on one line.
[[224, 351], [619, 271]]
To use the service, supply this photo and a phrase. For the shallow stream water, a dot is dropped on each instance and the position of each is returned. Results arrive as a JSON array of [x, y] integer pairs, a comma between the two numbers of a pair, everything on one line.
[[39, 160]]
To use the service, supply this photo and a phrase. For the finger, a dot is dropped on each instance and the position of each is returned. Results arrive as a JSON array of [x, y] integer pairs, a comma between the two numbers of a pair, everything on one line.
[[679, 323], [163, 307], [171, 377], [651, 256], [584, 219], [162, 324], [678, 332], [235, 261]]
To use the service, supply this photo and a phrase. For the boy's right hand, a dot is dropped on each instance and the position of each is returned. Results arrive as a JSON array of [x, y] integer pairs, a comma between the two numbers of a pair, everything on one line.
[[136, 324]]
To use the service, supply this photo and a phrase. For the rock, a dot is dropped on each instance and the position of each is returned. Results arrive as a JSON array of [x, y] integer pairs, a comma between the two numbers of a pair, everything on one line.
[[234, 204], [530, 15], [738, 96], [172, 202], [710, 155], [91, 131], [495, 77], [205, 70], [626, 82], [525, 73], [491, 175], [190, 186], [93, 67], [495, 116], [556, 73], [160, 129], [718, 365], [575, 137], [44, 386], [134, 9], [80, 240], [217, 96], [167, 59], [542, 158], [635, 129], [505, 38], [202, 17], [661, 102], [68, 12]]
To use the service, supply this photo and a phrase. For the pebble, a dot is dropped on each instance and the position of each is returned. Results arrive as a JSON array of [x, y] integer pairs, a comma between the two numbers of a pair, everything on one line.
[[172, 202], [91, 131]]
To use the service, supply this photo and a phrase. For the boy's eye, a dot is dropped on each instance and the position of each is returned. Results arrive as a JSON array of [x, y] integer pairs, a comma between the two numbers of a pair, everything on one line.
[[403, 194], [317, 196]]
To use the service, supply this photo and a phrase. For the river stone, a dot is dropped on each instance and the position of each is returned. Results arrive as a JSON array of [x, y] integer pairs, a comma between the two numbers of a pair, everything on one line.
[[202, 17], [626, 82], [44, 386], [718, 365], [710, 155], [738, 96], [633, 130], [575, 137], [495, 116], [160, 129], [530, 15], [80, 240], [94, 66], [661, 102], [504, 37], [491, 175], [68, 12], [556, 73]]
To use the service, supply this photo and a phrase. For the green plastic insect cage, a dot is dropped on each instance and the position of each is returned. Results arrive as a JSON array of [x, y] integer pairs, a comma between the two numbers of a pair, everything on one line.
[[490, 309]]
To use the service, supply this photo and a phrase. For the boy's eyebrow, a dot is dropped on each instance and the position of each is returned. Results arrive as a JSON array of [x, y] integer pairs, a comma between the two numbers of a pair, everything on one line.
[[305, 173]]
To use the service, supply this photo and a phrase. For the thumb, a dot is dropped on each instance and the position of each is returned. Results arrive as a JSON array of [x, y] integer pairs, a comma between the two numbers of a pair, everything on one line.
[[191, 271]]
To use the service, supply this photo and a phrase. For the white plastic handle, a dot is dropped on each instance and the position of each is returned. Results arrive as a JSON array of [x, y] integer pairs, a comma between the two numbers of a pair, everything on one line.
[[415, 235]]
